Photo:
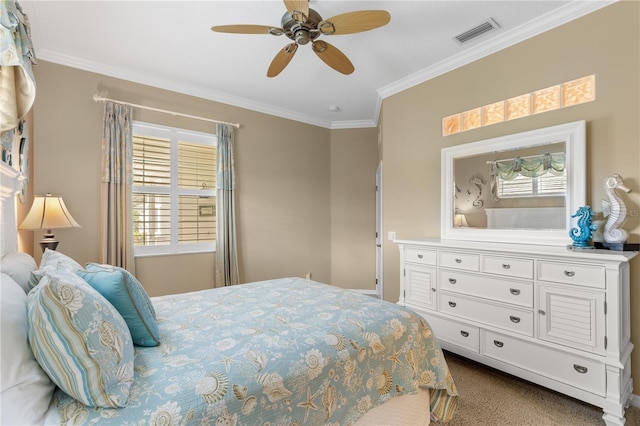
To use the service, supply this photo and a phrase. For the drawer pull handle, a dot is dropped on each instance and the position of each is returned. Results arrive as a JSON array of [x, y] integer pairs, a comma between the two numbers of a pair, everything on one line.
[[514, 291], [498, 343], [541, 312], [420, 256], [452, 280], [452, 304], [506, 266], [514, 319], [458, 260], [580, 369], [464, 333], [569, 273]]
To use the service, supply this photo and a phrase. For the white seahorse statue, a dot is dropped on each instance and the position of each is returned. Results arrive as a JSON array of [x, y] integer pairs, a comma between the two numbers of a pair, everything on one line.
[[615, 209]]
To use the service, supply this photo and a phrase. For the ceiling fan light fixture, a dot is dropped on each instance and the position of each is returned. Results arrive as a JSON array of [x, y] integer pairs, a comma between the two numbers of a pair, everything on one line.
[[301, 36]]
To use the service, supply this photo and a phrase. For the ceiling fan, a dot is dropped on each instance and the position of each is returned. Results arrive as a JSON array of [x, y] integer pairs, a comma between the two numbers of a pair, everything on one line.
[[303, 25]]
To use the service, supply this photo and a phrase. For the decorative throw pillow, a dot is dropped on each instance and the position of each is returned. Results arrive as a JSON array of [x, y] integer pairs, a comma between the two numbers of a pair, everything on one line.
[[52, 261], [128, 296], [52, 257], [80, 340], [18, 266], [26, 388]]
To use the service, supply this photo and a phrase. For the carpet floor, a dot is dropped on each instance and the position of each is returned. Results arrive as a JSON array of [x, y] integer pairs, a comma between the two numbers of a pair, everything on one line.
[[491, 397]]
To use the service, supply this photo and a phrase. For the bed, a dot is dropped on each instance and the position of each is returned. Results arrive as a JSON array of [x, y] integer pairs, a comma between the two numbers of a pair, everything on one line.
[[287, 351]]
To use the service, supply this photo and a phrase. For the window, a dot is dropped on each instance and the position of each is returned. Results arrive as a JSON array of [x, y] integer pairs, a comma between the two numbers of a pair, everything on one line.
[[523, 186], [174, 190]]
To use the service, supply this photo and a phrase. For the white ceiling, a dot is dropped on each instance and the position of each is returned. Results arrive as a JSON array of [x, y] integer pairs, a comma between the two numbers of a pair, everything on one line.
[[169, 44]]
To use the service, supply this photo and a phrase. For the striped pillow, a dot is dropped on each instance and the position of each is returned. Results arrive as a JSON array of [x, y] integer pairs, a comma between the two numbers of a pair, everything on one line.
[[128, 296], [80, 340]]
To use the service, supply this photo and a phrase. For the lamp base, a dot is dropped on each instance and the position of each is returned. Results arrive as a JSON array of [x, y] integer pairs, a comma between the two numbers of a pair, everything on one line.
[[49, 242]]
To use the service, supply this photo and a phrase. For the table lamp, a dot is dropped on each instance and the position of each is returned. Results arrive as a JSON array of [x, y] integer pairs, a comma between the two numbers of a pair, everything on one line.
[[48, 212]]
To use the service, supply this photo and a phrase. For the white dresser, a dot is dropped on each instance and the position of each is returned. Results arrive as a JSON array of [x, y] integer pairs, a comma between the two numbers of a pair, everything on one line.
[[554, 316]]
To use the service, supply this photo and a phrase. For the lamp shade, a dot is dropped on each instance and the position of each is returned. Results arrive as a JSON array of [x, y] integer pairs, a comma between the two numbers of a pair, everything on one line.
[[460, 221], [48, 212]]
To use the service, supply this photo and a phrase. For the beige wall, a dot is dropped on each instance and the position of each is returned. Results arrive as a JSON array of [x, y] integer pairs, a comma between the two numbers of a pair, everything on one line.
[[354, 160], [605, 43], [284, 178]]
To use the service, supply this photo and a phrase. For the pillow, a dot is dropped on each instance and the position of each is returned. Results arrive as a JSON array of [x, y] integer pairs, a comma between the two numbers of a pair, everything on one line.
[[26, 388], [52, 261], [18, 266], [127, 295], [80, 340], [52, 257]]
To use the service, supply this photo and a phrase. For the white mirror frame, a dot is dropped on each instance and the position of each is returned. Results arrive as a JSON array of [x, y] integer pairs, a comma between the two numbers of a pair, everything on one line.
[[574, 136]]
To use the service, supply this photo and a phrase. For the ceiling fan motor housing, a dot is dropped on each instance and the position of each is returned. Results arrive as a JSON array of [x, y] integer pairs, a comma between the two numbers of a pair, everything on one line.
[[301, 29]]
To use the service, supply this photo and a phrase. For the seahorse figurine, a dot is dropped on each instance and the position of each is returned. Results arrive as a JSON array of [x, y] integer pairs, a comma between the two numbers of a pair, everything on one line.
[[615, 209], [474, 191], [582, 234]]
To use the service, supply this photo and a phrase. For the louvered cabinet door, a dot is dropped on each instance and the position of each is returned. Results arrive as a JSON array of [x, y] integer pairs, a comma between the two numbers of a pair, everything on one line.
[[572, 317], [420, 286]]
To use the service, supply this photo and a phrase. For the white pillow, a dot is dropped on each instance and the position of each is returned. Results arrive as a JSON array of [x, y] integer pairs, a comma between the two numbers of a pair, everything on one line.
[[18, 266], [26, 388]]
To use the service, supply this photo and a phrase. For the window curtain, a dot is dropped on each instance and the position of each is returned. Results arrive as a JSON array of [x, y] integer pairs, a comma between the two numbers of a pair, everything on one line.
[[226, 248], [526, 166], [117, 178], [17, 82]]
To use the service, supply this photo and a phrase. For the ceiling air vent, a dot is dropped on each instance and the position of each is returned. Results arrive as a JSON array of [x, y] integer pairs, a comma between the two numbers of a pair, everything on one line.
[[478, 30]]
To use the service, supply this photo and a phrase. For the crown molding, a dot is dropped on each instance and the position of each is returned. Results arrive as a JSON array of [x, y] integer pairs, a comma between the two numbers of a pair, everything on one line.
[[177, 86], [560, 16], [567, 13]]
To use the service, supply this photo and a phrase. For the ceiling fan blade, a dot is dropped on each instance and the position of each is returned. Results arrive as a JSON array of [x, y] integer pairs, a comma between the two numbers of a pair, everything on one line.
[[282, 59], [297, 7], [354, 22], [333, 57], [248, 29]]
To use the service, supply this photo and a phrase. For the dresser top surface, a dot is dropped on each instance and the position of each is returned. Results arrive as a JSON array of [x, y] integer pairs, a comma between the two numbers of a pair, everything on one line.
[[523, 249]]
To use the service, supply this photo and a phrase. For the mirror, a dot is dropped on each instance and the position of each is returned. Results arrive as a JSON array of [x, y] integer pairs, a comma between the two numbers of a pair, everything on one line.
[[520, 188]]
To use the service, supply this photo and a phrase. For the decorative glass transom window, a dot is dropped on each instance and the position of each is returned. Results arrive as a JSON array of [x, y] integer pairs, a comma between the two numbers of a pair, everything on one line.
[[174, 190], [536, 176]]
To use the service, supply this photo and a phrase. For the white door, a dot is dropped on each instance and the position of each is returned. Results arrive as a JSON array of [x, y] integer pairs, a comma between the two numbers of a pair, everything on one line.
[[379, 287]]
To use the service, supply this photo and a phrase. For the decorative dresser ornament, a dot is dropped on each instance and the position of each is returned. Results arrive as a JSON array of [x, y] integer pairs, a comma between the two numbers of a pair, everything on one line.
[[581, 235], [615, 210]]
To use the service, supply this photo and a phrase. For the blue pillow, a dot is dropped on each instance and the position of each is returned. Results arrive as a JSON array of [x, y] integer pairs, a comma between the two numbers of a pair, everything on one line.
[[80, 340], [127, 295]]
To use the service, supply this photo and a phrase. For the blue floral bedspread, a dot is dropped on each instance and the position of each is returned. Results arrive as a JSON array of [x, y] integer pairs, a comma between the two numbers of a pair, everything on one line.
[[280, 352]]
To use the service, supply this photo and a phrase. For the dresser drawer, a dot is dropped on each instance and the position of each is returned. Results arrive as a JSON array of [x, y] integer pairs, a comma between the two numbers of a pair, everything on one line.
[[505, 317], [420, 255], [456, 333], [571, 369], [572, 273], [508, 266], [508, 291], [464, 261]]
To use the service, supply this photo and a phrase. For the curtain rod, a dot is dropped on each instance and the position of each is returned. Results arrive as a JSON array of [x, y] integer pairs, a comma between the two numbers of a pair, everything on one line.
[[523, 158], [97, 98]]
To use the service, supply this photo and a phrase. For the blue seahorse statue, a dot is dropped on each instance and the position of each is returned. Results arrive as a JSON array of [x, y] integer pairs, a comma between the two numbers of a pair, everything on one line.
[[582, 234]]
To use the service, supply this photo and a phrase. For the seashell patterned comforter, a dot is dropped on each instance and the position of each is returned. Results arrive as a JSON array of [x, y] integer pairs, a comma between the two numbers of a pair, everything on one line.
[[280, 352]]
